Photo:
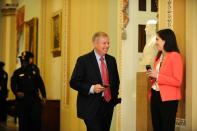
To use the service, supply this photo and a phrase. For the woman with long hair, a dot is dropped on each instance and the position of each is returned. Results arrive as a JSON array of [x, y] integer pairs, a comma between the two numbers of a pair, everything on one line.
[[166, 79]]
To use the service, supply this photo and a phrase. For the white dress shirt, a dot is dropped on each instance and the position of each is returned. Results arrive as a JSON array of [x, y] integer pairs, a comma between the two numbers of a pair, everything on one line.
[[155, 86], [99, 65]]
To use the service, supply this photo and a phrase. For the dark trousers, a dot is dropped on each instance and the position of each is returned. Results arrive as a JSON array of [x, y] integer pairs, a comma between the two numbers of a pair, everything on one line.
[[102, 121], [163, 113], [29, 113], [3, 110]]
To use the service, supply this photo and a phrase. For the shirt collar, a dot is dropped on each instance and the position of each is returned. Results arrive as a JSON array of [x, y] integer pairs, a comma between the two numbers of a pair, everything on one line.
[[98, 56]]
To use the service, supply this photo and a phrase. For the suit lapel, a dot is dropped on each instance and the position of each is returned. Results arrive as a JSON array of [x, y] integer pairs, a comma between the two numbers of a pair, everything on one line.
[[165, 60], [163, 63], [96, 67]]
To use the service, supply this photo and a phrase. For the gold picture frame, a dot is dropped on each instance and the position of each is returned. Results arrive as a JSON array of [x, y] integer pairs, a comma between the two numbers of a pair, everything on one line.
[[20, 32], [31, 37], [56, 33]]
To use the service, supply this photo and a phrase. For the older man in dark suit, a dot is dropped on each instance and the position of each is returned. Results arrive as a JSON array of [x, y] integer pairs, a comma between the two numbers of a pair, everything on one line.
[[96, 79]]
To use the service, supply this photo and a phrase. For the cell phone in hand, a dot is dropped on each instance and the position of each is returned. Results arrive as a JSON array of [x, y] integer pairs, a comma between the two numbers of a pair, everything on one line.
[[105, 85], [148, 67]]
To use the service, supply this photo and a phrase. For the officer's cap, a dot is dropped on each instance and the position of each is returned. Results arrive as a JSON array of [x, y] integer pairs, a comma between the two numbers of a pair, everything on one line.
[[2, 64], [25, 55]]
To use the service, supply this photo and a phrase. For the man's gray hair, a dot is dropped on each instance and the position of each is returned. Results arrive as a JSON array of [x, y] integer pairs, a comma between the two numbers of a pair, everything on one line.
[[99, 34]]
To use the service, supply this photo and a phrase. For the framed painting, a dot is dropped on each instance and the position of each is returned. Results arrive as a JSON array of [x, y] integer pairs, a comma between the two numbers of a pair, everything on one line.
[[31, 38], [20, 15], [56, 33]]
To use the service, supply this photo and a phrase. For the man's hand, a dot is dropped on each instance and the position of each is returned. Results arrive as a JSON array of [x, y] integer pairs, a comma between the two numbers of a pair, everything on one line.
[[20, 94], [98, 88]]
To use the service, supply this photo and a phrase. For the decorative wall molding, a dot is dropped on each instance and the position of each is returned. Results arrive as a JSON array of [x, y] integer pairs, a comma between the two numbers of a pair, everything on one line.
[[125, 14], [125, 11], [180, 122], [121, 31], [41, 50], [169, 14], [65, 39]]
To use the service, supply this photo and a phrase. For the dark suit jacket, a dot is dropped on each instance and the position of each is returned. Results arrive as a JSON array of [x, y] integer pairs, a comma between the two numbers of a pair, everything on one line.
[[28, 80], [3, 84], [86, 73]]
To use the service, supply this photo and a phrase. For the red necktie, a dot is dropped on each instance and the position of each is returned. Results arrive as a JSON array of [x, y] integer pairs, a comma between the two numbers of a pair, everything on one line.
[[105, 78]]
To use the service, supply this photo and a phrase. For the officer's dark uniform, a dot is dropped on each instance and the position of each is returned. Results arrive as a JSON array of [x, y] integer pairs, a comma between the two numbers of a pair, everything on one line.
[[27, 80], [3, 93]]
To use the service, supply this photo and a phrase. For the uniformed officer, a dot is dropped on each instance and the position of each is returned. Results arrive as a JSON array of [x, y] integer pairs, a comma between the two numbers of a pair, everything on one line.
[[26, 83], [3, 93]]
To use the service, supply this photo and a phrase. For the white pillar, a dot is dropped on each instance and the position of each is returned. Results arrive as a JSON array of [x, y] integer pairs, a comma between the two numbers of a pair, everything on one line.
[[191, 63]]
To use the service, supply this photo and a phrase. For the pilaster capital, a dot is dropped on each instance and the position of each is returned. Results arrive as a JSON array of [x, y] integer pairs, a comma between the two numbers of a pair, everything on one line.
[[8, 9]]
